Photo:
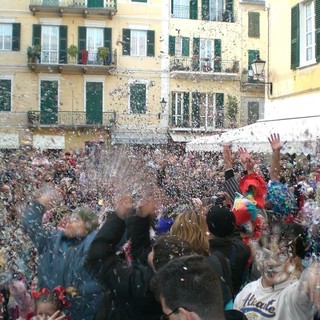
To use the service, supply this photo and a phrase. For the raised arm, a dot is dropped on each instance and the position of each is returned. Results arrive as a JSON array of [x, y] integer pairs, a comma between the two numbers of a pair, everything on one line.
[[276, 146]]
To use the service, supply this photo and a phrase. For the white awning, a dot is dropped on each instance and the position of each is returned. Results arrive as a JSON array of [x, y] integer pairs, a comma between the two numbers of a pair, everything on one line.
[[301, 136]]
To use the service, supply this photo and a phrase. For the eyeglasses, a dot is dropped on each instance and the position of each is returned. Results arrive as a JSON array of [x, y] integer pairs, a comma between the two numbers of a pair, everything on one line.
[[166, 316]]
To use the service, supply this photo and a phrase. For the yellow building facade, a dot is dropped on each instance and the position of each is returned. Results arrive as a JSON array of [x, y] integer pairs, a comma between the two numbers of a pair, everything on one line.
[[77, 72], [294, 55]]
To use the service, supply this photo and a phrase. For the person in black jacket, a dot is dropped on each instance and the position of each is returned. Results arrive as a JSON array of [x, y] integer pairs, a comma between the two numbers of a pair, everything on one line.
[[127, 285], [225, 238]]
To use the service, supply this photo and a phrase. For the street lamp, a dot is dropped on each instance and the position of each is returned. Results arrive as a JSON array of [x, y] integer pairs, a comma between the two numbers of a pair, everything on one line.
[[163, 104], [258, 71]]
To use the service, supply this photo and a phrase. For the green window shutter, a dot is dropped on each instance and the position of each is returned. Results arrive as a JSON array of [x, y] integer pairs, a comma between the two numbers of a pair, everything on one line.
[[150, 43], [217, 55], [172, 45], [82, 40], [185, 46], [194, 9], [229, 5], [252, 55], [16, 33], [254, 24], [144, 1], [196, 110], [295, 30], [186, 102], [36, 34], [5, 95], [318, 30], [63, 35], [196, 54], [196, 46], [126, 34], [107, 34], [219, 110], [205, 9], [173, 108], [172, 6], [138, 98]]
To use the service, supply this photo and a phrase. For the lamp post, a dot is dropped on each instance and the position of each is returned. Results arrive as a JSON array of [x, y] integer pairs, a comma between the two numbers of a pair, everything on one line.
[[258, 70], [163, 104]]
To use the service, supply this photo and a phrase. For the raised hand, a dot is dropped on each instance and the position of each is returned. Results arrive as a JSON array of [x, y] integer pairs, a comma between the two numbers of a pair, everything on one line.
[[275, 142], [246, 159], [57, 316], [228, 156], [50, 197]]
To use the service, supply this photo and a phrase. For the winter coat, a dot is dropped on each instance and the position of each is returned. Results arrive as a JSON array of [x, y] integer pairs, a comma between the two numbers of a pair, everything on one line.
[[238, 254], [129, 297], [61, 262]]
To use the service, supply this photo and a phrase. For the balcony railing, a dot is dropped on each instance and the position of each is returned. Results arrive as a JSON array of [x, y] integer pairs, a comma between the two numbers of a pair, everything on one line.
[[70, 119], [211, 14], [87, 62], [203, 65], [85, 7]]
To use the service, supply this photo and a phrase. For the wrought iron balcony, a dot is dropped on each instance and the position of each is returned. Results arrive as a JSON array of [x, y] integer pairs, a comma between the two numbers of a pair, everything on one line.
[[70, 119], [84, 7], [249, 84], [210, 14], [86, 63], [204, 67]]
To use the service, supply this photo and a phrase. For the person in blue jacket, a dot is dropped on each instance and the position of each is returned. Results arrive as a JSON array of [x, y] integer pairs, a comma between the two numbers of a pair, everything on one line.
[[62, 254]]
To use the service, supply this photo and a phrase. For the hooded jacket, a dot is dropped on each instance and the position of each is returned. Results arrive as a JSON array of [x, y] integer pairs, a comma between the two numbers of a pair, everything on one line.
[[61, 262]]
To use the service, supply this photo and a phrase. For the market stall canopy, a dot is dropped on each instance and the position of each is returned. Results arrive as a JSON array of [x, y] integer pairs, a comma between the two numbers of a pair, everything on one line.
[[301, 136]]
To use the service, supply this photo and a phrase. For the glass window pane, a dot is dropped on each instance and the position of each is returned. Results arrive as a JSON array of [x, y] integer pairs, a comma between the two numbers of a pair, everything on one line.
[[5, 36]]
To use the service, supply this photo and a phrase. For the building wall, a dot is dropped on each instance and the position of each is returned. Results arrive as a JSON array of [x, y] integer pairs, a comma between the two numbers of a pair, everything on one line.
[[295, 92]]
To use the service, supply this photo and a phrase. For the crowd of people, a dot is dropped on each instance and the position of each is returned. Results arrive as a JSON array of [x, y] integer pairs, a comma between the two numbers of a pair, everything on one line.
[[154, 233]]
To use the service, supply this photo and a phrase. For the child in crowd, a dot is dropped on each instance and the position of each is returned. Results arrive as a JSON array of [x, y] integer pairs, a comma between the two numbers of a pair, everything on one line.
[[49, 305]]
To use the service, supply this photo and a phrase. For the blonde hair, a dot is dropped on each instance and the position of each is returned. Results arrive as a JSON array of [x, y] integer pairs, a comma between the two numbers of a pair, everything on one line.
[[192, 227]]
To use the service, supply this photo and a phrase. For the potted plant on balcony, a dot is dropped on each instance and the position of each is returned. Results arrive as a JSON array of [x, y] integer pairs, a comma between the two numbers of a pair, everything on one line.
[[73, 53], [34, 54], [103, 54]]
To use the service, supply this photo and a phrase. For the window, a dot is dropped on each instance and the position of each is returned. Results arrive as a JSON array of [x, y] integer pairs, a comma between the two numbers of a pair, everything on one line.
[[10, 36], [90, 39], [144, 1], [50, 44], [253, 111], [138, 43], [53, 43], [95, 40], [5, 95], [305, 33], [179, 46], [219, 119], [203, 110], [185, 9], [254, 24], [206, 54], [217, 10], [180, 109], [138, 98], [181, 9]]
